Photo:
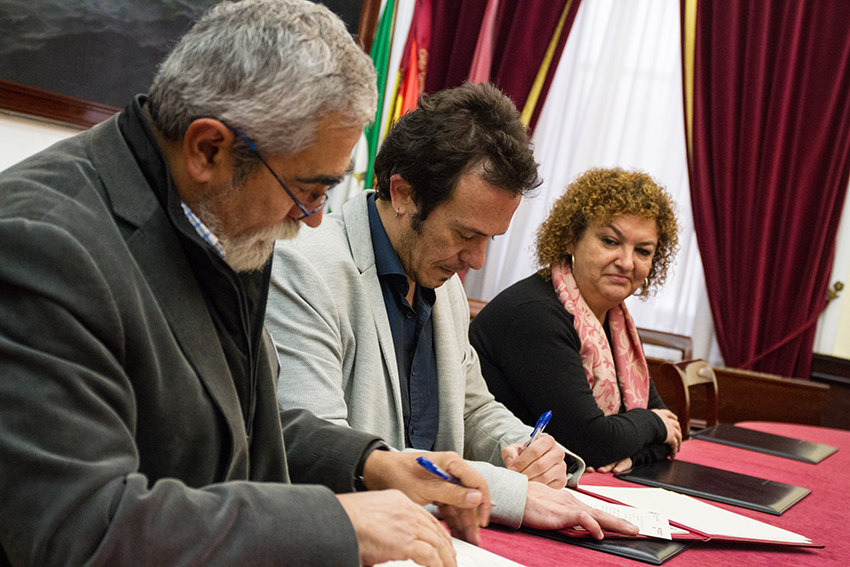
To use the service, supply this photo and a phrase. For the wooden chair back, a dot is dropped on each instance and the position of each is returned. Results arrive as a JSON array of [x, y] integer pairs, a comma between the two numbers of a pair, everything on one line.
[[671, 341], [682, 376], [475, 305]]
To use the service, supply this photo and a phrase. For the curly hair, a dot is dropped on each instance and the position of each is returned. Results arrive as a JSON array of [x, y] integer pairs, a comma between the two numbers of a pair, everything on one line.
[[597, 197], [451, 133]]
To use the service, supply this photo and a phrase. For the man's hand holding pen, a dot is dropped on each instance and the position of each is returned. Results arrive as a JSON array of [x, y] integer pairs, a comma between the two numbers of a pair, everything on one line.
[[540, 458], [464, 505], [542, 462], [548, 506]]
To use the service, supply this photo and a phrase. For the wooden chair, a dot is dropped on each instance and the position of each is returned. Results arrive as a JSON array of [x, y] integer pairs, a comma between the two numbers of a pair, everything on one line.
[[683, 375], [672, 341], [475, 305]]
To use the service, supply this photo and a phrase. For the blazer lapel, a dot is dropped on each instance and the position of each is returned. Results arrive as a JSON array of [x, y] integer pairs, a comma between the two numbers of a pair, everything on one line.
[[355, 216], [160, 258], [451, 379]]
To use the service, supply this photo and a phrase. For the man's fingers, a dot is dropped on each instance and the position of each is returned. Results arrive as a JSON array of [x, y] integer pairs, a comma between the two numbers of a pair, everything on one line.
[[522, 461], [596, 521], [460, 496], [423, 553], [431, 544], [555, 509], [463, 523], [555, 476], [510, 453], [586, 521], [444, 493], [543, 461], [401, 471], [438, 543], [474, 493], [611, 523], [390, 526]]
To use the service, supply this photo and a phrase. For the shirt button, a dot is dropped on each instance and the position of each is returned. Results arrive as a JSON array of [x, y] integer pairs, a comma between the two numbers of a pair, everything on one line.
[[409, 315]]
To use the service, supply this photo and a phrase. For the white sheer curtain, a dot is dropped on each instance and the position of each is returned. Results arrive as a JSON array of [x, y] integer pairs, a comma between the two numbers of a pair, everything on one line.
[[616, 100], [830, 337]]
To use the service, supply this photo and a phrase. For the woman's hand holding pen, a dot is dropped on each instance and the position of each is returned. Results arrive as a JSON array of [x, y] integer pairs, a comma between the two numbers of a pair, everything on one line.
[[542, 461]]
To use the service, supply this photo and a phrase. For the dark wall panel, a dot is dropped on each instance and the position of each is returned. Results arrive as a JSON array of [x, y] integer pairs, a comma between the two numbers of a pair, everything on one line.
[[103, 51]]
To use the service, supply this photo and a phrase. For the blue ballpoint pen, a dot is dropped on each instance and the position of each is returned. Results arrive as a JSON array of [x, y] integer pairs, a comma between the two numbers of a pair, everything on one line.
[[434, 469], [538, 428]]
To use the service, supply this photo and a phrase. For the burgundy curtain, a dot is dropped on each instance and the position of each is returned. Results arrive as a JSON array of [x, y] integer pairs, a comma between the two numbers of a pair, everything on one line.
[[769, 161], [454, 32], [523, 30]]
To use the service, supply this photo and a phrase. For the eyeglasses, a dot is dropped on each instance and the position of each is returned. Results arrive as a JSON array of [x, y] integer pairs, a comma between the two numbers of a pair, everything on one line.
[[304, 210]]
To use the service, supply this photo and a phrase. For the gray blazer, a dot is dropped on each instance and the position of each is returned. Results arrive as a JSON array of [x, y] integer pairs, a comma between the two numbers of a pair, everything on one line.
[[327, 316], [122, 440]]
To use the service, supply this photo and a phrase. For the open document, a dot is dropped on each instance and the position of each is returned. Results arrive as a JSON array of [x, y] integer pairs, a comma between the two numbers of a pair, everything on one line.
[[689, 518], [649, 522]]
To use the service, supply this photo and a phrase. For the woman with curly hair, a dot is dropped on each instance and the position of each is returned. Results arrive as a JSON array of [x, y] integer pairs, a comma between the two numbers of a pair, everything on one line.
[[562, 339]]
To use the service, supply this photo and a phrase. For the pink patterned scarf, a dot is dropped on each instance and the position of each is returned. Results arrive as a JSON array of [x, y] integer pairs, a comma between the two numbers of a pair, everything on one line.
[[629, 377]]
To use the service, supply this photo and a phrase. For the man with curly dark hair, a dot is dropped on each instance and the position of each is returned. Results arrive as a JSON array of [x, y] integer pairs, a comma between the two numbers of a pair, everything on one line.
[[562, 339], [371, 321]]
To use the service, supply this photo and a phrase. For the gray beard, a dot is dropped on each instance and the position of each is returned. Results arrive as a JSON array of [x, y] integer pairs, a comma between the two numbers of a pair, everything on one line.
[[252, 251]]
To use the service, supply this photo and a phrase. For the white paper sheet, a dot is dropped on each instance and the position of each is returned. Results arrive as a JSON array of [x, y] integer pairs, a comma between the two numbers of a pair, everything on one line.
[[649, 522], [468, 555]]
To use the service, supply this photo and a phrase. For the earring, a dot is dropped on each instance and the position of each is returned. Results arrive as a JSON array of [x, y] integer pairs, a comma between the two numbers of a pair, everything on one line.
[[572, 261], [646, 283], [396, 213]]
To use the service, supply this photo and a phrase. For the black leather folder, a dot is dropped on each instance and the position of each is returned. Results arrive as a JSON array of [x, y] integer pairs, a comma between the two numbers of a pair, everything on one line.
[[769, 443], [718, 485], [652, 551]]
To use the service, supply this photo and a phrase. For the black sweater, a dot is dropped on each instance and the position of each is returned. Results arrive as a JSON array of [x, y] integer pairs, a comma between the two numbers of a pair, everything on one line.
[[529, 352]]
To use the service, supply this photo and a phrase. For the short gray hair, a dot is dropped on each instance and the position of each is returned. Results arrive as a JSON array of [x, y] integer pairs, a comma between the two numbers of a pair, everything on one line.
[[272, 68]]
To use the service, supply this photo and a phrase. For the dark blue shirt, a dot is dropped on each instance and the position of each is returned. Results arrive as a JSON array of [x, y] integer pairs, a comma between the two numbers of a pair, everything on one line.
[[413, 336]]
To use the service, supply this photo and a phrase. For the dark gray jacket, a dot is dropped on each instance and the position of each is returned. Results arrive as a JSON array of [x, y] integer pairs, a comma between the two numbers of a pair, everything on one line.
[[122, 441]]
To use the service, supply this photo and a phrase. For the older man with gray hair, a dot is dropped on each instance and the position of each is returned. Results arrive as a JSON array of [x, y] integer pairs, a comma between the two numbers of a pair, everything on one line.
[[138, 423]]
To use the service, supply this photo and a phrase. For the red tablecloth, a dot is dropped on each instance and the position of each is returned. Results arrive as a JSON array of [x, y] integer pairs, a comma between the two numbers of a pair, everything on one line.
[[823, 516]]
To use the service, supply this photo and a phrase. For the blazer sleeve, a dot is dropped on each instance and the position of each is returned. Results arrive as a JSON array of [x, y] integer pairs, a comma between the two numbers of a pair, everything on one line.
[[320, 452], [310, 334], [532, 349], [488, 425]]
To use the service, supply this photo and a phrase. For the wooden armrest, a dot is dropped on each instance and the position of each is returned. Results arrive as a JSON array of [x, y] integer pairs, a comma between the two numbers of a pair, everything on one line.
[[475, 305]]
